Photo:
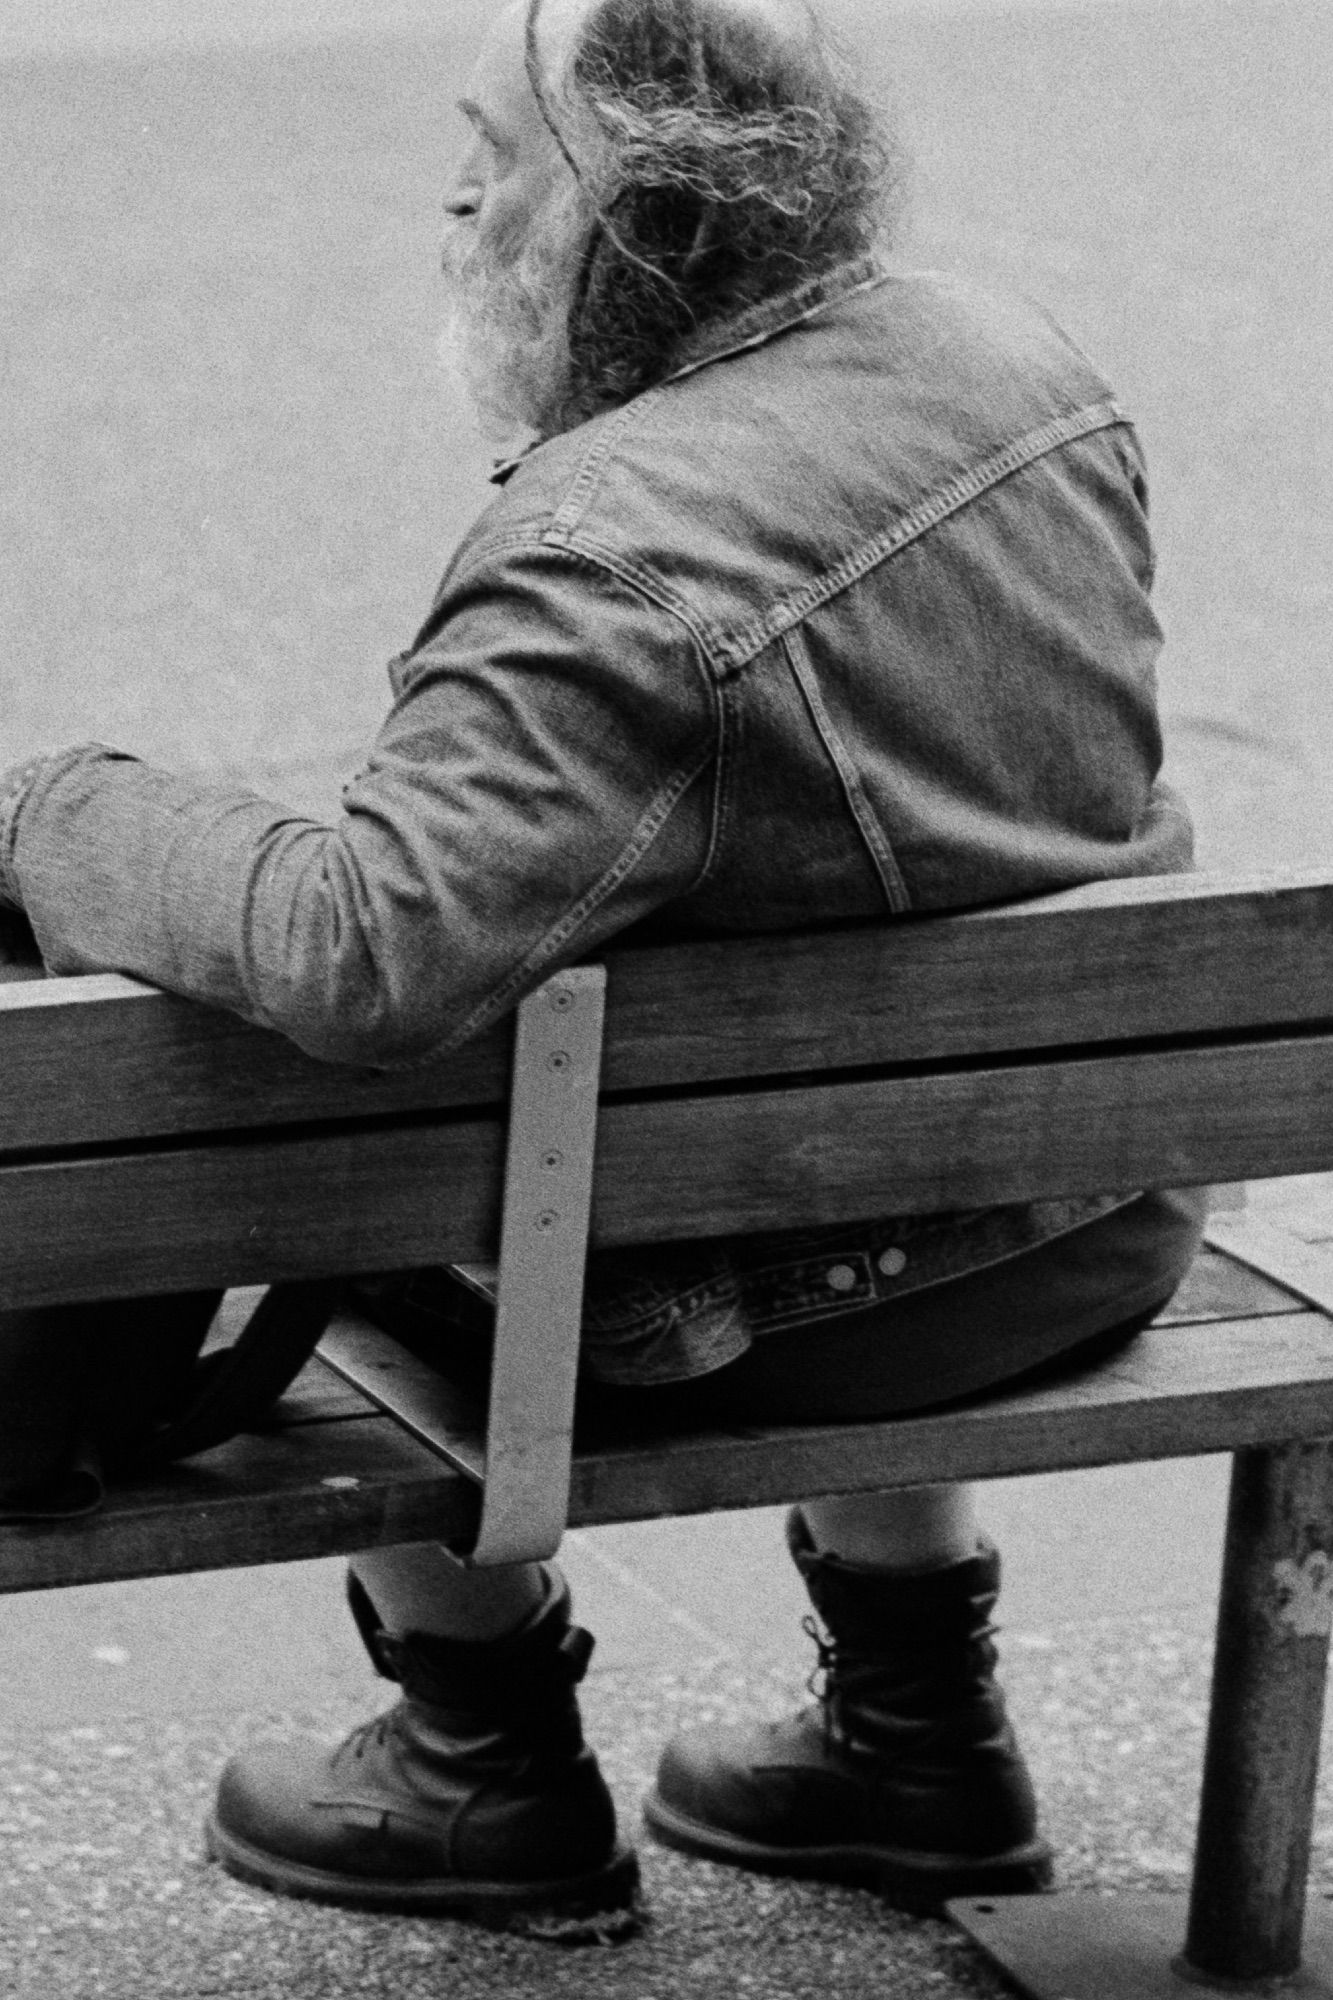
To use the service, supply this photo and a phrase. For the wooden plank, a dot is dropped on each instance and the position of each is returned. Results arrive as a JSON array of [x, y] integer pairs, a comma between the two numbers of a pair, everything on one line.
[[923, 1144], [104, 1058], [242, 1214], [321, 1490], [1127, 960], [1216, 1287], [315, 1397], [669, 1169], [91, 1060], [328, 1489], [1304, 1269], [1183, 1391], [420, 1398]]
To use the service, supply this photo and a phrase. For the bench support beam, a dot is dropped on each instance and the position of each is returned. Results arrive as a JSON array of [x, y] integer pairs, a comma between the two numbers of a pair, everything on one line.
[[1262, 1759], [1244, 1923], [1081, 1945]]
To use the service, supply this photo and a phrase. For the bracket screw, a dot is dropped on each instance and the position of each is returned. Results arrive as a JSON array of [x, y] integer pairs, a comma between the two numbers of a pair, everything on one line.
[[553, 1160], [561, 999], [548, 1220], [558, 1060]]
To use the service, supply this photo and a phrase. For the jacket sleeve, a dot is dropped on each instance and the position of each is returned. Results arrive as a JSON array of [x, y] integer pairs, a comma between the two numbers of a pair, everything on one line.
[[538, 785]]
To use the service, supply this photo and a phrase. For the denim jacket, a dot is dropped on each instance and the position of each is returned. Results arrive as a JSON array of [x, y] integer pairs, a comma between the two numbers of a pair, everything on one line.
[[848, 618]]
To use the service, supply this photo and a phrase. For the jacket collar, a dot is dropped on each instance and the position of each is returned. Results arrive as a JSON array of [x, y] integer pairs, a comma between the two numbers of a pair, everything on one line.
[[754, 327], [763, 322]]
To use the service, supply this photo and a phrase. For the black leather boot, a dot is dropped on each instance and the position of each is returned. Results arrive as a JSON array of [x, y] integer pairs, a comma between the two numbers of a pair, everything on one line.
[[475, 1796], [904, 1777]]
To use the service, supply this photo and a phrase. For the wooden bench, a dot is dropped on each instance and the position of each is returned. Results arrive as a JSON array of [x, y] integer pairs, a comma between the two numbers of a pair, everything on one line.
[[1149, 1033]]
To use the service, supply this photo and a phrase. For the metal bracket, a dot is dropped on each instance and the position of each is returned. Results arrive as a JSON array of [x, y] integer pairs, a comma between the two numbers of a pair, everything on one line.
[[543, 1256], [1078, 1945], [524, 1466]]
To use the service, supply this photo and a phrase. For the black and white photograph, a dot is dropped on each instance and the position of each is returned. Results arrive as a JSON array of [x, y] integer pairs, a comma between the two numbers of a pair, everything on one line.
[[666, 999]]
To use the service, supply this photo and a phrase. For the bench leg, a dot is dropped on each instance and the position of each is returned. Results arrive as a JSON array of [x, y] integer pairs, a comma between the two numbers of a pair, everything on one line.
[[1246, 1915], [1276, 1611]]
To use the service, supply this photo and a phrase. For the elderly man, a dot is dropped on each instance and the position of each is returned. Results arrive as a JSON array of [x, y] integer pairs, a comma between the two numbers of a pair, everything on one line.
[[820, 593]]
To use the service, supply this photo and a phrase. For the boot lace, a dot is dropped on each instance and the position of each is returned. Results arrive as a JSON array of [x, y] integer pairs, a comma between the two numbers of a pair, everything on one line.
[[840, 1675], [367, 1736], [832, 1678]]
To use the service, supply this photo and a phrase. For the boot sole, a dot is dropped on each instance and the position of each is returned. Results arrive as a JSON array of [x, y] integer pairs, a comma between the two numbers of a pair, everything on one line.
[[600, 1907], [910, 1879]]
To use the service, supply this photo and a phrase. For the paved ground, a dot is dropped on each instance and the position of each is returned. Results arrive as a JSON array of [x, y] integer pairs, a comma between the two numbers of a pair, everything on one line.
[[227, 480], [121, 1702]]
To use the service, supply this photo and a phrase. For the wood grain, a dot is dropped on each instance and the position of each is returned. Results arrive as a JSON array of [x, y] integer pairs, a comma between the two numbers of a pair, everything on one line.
[[316, 1490], [104, 1058], [1176, 1393], [1217, 1288], [242, 1214], [669, 1169], [920, 1144], [1177, 1390]]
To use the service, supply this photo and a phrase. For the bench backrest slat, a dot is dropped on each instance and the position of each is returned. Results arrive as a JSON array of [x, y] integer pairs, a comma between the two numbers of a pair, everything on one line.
[[668, 1168], [103, 1060]]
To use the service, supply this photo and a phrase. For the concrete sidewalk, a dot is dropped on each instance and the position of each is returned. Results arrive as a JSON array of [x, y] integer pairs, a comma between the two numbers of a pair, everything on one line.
[[121, 1702], [104, 1891], [228, 479]]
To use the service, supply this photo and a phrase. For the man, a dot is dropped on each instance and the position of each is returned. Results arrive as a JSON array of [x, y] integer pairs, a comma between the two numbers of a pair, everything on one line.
[[823, 595]]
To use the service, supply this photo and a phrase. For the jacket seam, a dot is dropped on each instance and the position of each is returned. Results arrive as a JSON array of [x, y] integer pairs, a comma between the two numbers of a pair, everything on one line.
[[632, 574], [882, 859], [947, 500], [732, 653], [588, 474], [641, 582], [525, 973], [728, 750]]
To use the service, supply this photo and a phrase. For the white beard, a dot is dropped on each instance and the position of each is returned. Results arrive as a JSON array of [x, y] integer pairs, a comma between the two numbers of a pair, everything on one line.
[[505, 340]]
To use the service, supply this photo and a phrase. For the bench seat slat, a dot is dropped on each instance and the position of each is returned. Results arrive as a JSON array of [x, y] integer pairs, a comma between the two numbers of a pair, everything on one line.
[[1178, 1390], [319, 1489], [1216, 1287], [668, 1169], [103, 1058]]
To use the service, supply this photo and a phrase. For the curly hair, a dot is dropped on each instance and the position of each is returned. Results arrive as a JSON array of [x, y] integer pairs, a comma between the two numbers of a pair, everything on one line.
[[722, 161]]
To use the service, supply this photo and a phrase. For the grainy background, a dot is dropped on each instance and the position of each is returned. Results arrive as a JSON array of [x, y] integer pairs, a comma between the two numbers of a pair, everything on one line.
[[229, 477], [230, 469]]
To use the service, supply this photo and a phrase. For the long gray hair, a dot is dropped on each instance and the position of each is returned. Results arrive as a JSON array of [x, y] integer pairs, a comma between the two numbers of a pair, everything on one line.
[[720, 161]]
